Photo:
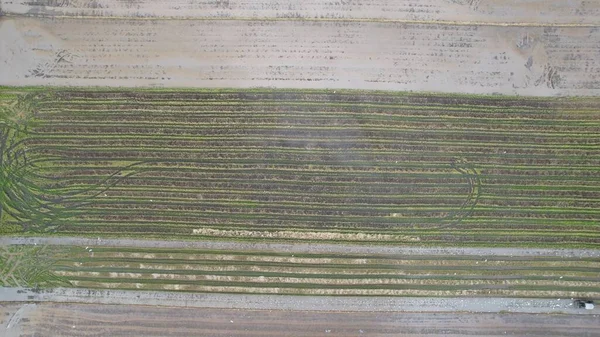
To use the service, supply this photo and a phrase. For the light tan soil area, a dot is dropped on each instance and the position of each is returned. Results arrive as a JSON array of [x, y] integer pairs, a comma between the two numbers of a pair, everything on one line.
[[489, 11], [50, 319], [300, 54]]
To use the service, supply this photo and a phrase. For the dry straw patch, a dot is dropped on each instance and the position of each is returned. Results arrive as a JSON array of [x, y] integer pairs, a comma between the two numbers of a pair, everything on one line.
[[302, 235]]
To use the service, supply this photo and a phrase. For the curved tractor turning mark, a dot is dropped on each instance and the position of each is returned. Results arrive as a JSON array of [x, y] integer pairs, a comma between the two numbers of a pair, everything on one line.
[[27, 202], [21, 198], [29, 266], [466, 208], [14, 121], [24, 201]]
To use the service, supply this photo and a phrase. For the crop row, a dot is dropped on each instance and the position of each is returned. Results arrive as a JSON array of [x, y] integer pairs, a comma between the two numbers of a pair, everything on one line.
[[319, 274], [319, 96], [313, 165]]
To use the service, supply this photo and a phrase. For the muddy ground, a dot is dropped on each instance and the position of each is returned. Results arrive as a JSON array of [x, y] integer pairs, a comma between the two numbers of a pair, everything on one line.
[[540, 61], [58, 319]]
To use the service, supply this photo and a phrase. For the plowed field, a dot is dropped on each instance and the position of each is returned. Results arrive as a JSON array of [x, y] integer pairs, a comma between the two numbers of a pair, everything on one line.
[[111, 320], [289, 53]]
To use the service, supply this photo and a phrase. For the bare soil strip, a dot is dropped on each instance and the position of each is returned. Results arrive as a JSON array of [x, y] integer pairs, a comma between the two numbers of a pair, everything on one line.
[[314, 248], [70, 319], [533, 61], [549, 12]]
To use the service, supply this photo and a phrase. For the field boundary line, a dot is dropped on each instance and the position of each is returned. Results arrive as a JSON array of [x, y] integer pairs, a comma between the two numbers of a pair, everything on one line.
[[298, 248], [345, 20]]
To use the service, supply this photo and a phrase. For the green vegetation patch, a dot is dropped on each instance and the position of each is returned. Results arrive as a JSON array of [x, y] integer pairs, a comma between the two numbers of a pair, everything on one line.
[[301, 165], [30, 266]]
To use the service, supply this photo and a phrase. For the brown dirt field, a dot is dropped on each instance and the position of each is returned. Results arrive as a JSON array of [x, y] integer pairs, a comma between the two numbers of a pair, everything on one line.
[[54, 319], [494, 11], [540, 61]]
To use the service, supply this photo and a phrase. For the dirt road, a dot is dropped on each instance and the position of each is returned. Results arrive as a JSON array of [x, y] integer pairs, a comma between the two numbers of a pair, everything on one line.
[[539, 61], [63, 319], [313, 248], [289, 302]]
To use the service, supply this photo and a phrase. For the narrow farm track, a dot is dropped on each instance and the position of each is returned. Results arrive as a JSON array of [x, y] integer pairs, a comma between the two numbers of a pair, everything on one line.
[[299, 247], [307, 165]]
